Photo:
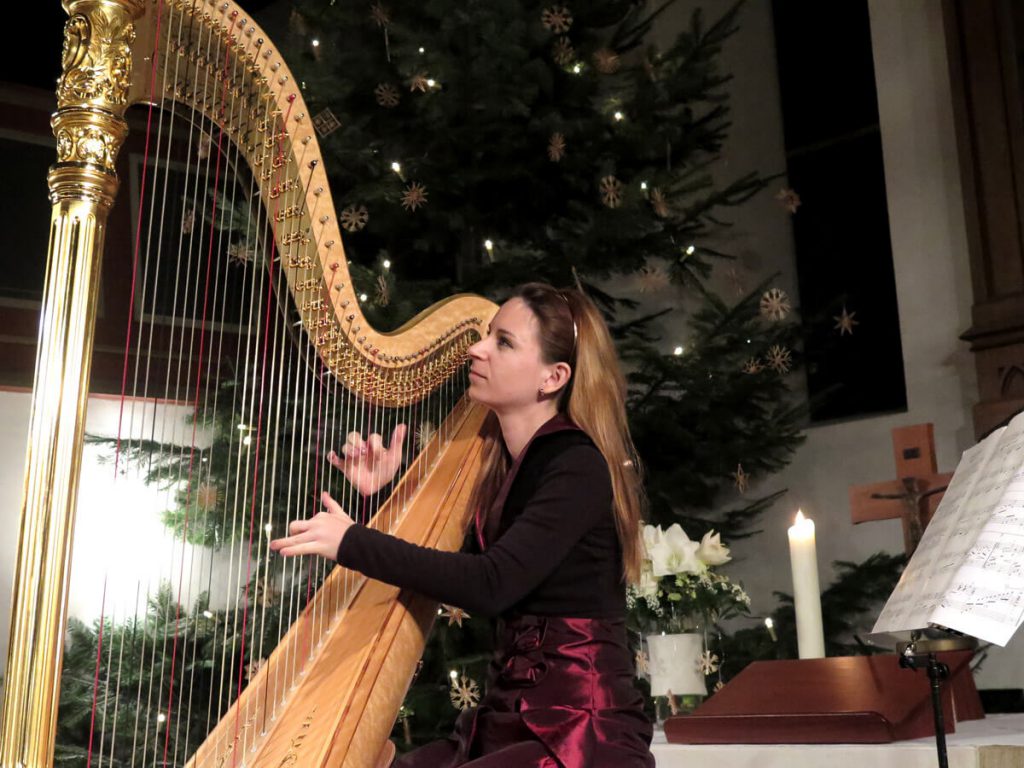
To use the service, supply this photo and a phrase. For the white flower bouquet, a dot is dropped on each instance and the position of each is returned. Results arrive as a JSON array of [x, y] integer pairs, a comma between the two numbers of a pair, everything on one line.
[[678, 587]]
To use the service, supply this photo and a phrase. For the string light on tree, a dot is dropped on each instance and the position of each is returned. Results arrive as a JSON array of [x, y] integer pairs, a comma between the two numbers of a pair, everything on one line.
[[387, 264], [577, 68], [677, 351], [619, 117]]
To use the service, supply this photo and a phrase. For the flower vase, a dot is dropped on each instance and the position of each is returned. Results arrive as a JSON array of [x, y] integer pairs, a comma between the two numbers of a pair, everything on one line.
[[677, 679]]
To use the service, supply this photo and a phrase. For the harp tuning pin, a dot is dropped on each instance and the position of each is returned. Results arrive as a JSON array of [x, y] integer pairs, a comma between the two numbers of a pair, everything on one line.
[[339, 286], [259, 42], [334, 267], [344, 304], [329, 243], [324, 219], [306, 140], [267, 53], [250, 31], [282, 80], [318, 191], [298, 117], [350, 318], [313, 164], [242, 23], [234, 14], [291, 96]]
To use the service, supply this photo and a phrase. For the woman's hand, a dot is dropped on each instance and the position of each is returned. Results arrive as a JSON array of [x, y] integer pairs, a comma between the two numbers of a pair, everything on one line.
[[320, 535], [368, 465]]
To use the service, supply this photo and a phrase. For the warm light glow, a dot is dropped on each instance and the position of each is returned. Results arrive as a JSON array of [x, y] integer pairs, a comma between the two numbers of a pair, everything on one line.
[[242, 427], [769, 623], [619, 116], [577, 68], [453, 675], [677, 351], [208, 614], [363, 297], [316, 43], [387, 264], [422, 49], [489, 245], [803, 527], [396, 167], [643, 185], [690, 251], [161, 717], [246, 440], [431, 82]]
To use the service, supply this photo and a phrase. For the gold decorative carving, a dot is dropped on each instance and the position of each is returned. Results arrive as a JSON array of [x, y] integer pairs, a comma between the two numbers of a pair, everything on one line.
[[97, 57]]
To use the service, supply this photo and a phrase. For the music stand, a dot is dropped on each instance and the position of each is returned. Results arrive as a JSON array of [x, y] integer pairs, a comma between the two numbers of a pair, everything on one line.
[[919, 648]]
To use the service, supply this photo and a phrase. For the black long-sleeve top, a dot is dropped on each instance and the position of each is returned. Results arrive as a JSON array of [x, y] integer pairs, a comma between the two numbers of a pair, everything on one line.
[[556, 552]]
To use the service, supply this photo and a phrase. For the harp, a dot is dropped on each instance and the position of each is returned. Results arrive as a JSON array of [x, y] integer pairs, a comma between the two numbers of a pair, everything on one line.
[[297, 364]]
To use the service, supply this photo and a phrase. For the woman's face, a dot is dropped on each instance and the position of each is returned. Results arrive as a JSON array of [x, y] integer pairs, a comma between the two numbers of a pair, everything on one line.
[[506, 368]]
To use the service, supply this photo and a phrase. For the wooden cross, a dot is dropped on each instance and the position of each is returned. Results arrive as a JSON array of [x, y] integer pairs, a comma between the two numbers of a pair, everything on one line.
[[914, 496]]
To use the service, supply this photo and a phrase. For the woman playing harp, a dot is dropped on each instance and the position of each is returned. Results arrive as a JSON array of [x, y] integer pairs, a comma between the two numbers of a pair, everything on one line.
[[556, 534]]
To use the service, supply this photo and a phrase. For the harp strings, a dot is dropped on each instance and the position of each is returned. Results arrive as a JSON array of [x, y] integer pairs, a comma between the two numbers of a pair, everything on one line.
[[223, 348]]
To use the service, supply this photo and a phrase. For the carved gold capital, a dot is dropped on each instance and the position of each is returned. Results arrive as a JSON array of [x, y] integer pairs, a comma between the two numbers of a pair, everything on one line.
[[97, 57]]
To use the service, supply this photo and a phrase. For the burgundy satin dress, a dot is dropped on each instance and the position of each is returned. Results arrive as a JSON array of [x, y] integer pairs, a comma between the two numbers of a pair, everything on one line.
[[560, 694], [559, 691]]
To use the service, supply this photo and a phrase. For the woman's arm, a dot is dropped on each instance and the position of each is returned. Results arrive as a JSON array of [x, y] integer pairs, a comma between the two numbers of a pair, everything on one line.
[[573, 494]]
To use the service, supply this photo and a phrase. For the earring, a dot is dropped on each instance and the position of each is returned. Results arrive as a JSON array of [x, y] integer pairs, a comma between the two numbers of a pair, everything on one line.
[[541, 392]]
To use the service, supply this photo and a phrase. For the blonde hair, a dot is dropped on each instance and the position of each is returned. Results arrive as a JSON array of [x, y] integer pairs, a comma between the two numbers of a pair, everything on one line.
[[571, 330]]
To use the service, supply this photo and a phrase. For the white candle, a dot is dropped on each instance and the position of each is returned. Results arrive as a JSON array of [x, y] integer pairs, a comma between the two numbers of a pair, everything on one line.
[[803, 559]]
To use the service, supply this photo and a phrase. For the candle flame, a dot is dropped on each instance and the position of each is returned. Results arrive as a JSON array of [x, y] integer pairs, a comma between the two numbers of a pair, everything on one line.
[[799, 519]]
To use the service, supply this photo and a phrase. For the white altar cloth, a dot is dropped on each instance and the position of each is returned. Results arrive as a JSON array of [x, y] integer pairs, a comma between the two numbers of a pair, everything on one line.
[[994, 742]]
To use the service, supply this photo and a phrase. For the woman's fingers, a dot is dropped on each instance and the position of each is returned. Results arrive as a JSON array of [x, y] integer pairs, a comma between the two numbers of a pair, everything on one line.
[[375, 445], [332, 506], [299, 526], [398, 438], [304, 548]]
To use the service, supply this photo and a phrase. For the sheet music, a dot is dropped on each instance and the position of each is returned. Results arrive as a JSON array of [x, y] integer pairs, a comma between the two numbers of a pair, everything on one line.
[[968, 570]]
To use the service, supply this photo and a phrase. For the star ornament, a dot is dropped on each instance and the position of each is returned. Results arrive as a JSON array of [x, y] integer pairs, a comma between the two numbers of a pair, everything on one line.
[[741, 478], [780, 359], [845, 322], [464, 693], [415, 196], [789, 198], [453, 614], [708, 663]]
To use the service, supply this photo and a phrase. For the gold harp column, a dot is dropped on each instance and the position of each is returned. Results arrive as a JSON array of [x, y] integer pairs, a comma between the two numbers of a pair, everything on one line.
[[89, 126]]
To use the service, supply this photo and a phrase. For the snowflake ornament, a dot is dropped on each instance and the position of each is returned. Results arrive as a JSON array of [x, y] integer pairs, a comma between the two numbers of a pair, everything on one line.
[[562, 51], [752, 366], [741, 478], [643, 663], [354, 218], [383, 297], [659, 203], [556, 147], [707, 663], [606, 61], [240, 253], [253, 668], [845, 322], [425, 434], [415, 196], [653, 279], [380, 15], [207, 496], [464, 693], [453, 614], [387, 95], [203, 149], [775, 304], [789, 198], [556, 19], [780, 359], [611, 191]]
